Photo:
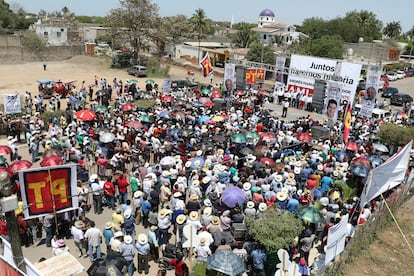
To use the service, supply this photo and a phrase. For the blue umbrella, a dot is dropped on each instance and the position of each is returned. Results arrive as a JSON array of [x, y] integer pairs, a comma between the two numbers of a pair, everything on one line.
[[45, 81], [226, 262], [340, 154], [174, 133], [197, 104], [375, 160], [163, 114], [197, 162], [232, 196], [289, 152], [203, 118], [359, 170]]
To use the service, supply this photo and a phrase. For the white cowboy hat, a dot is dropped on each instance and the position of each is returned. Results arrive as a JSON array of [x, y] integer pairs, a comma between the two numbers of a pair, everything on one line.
[[93, 177], [193, 215], [291, 176], [163, 212], [281, 196], [247, 186], [128, 239], [278, 178], [118, 234], [206, 179], [199, 153], [207, 211], [195, 182], [180, 219], [108, 225], [177, 194], [127, 213], [250, 204], [297, 170], [138, 194], [207, 202], [262, 207], [142, 239], [320, 167]]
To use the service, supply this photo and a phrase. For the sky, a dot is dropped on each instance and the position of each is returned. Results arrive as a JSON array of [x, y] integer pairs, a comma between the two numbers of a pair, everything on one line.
[[289, 12]]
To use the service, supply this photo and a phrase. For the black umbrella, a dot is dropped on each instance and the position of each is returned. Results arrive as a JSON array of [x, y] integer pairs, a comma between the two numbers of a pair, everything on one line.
[[110, 265], [246, 151], [219, 138], [205, 146]]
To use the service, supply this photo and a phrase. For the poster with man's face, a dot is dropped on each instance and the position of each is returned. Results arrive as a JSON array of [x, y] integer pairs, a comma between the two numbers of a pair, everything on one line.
[[332, 101], [371, 89]]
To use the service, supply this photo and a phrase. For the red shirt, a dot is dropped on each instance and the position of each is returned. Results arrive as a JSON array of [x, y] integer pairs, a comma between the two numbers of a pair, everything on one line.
[[3, 228], [178, 266], [122, 184], [109, 188]]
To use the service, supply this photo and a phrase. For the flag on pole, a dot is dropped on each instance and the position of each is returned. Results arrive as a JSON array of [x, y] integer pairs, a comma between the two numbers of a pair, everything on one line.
[[386, 176], [347, 123], [206, 67]]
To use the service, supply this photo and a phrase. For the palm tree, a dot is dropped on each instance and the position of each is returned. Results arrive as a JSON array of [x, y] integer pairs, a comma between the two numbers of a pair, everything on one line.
[[392, 29], [410, 34], [244, 36], [199, 21]]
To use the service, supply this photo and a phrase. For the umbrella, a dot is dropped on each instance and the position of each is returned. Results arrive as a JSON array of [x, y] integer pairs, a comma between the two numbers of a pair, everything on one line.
[[199, 160], [219, 138], [149, 81], [132, 81], [206, 146], [310, 214], [375, 160], [246, 151], [168, 99], [168, 161], [264, 93], [164, 114], [203, 118], [253, 135], [7, 170], [145, 118], [101, 108], [265, 160], [240, 92], [226, 262], [20, 165], [217, 118], [304, 137], [238, 138], [268, 137], [106, 137], [352, 146], [53, 160], [85, 115], [205, 91], [260, 150], [209, 121], [186, 132], [208, 104], [215, 94], [196, 104], [53, 152], [134, 124], [232, 196], [361, 161], [204, 100], [380, 147], [340, 154], [127, 107], [4, 150], [359, 170], [173, 132]]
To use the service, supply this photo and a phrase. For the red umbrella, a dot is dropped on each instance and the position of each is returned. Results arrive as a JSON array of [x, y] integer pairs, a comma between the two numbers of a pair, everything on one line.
[[240, 92], [208, 104], [304, 137], [4, 150], [361, 161], [264, 93], [267, 136], [215, 94], [53, 152], [268, 161], [52, 160], [352, 146], [7, 170], [204, 100], [20, 165], [168, 99], [134, 124], [127, 107], [85, 115]]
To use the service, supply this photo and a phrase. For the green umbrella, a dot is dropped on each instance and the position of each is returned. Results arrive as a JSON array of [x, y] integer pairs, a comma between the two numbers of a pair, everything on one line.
[[251, 135], [205, 90], [132, 81], [101, 108], [145, 118], [238, 138], [310, 214], [149, 81]]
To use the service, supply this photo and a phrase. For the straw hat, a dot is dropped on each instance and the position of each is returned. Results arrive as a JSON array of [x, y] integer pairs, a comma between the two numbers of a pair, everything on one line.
[[127, 213], [297, 170], [128, 239], [220, 151], [165, 173], [206, 179], [298, 164], [93, 177], [163, 212], [118, 234], [153, 228], [207, 211], [291, 175], [177, 194], [335, 173], [196, 183], [203, 240], [138, 194], [281, 196], [193, 215], [262, 207], [247, 186], [199, 153], [250, 204], [194, 197], [180, 219], [142, 239], [215, 220], [187, 164], [278, 178], [79, 224], [320, 167], [108, 225], [290, 181]]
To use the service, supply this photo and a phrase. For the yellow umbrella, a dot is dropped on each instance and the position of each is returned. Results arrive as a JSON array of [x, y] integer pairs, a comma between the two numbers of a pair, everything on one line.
[[217, 118]]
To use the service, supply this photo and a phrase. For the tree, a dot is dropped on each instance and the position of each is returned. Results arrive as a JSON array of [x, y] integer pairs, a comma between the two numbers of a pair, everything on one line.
[[33, 42], [397, 135], [199, 22], [369, 27], [410, 33], [314, 27], [392, 29], [257, 51], [244, 36], [134, 21], [275, 229]]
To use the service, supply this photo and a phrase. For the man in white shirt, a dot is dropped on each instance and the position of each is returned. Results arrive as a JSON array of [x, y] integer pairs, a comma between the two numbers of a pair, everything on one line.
[[78, 237], [285, 105], [94, 237]]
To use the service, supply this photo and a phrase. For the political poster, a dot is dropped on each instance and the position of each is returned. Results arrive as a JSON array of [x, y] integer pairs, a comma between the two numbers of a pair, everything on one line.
[[49, 189], [12, 103], [332, 100], [280, 69], [205, 64], [336, 239], [166, 86], [229, 77], [304, 70], [371, 89], [255, 75]]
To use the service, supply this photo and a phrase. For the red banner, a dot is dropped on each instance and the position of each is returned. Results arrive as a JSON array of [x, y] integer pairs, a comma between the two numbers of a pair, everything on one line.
[[7, 270], [206, 66], [254, 76], [45, 190]]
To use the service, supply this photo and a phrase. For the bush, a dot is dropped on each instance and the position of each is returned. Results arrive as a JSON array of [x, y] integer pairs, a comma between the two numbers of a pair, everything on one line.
[[48, 116], [397, 135]]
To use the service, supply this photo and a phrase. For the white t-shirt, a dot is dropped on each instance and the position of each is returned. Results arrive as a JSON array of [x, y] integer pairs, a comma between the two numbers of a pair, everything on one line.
[[94, 236]]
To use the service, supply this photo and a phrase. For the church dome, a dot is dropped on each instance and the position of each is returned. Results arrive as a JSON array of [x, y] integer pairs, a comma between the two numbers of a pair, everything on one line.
[[267, 13]]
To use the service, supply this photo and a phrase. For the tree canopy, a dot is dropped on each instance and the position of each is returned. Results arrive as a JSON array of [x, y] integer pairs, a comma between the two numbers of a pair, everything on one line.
[[13, 20], [325, 46], [244, 37], [258, 50], [392, 29]]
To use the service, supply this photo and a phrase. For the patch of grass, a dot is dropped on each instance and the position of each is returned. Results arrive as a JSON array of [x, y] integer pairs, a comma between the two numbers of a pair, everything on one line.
[[199, 269]]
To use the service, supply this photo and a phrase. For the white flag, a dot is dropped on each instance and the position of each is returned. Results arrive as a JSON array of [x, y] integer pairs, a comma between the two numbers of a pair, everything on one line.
[[386, 176], [336, 240]]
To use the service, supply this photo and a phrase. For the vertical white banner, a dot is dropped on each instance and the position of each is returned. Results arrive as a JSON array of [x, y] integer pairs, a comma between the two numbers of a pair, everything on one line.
[[12, 103], [280, 68], [336, 240], [371, 88], [332, 100], [229, 76]]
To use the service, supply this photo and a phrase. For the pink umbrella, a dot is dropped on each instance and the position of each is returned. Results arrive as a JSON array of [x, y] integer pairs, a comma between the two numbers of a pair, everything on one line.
[[352, 146], [127, 107], [85, 115], [20, 165], [215, 94], [134, 124], [4, 150], [52, 160], [204, 100], [267, 136], [208, 104], [268, 161], [168, 99], [304, 137]]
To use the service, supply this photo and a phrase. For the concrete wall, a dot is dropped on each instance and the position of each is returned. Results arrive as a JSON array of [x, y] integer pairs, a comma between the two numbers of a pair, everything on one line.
[[13, 54]]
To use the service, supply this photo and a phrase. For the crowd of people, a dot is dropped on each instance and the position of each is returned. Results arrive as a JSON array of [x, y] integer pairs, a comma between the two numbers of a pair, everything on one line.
[[166, 167]]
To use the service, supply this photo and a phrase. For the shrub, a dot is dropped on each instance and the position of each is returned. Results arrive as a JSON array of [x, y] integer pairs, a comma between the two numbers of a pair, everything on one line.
[[48, 116]]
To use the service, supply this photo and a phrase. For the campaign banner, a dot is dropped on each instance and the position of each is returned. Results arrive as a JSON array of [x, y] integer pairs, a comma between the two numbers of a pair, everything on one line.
[[280, 69], [12, 103], [332, 100], [47, 190], [255, 75], [229, 76], [304, 70], [205, 64], [372, 84]]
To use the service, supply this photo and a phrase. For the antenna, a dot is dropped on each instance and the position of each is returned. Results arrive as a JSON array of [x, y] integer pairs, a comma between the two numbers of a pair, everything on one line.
[[232, 22]]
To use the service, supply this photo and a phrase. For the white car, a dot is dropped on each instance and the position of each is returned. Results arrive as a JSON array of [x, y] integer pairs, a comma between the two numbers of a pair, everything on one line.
[[392, 76], [400, 74]]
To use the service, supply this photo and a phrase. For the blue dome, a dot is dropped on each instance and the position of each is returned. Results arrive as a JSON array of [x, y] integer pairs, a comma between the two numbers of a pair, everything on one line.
[[267, 13]]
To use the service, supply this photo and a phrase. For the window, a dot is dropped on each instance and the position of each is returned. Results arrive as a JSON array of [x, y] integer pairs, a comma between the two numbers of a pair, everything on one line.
[[58, 34], [264, 37], [45, 33], [62, 30]]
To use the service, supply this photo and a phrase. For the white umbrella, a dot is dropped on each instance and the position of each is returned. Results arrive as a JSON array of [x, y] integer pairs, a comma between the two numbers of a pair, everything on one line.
[[106, 137], [380, 147], [167, 161]]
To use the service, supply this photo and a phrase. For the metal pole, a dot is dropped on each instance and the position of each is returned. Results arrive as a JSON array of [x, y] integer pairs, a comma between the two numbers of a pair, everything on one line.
[[261, 54], [15, 242]]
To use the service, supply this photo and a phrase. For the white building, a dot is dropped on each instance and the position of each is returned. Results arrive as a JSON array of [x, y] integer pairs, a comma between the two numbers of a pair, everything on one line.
[[52, 35], [271, 31]]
